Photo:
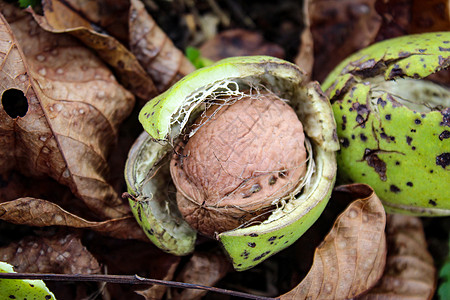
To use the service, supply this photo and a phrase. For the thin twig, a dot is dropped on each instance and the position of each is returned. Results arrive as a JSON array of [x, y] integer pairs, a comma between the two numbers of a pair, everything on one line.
[[127, 279]]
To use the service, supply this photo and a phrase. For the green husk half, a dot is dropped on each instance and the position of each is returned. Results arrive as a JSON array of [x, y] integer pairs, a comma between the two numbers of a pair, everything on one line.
[[166, 116], [393, 122], [22, 288]]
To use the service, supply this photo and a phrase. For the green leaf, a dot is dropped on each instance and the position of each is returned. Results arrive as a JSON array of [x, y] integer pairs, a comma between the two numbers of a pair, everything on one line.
[[444, 275], [26, 3], [22, 288], [195, 57]]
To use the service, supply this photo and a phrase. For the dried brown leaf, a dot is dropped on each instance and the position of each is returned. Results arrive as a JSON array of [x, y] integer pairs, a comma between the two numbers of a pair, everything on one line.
[[14, 185], [74, 107], [410, 273], [430, 16], [38, 212], [402, 17], [157, 292], [58, 18], [132, 257], [205, 268], [110, 15], [239, 42], [351, 258], [155, 51], [305, 56], [340, 28], [396, 18], [62, 254]]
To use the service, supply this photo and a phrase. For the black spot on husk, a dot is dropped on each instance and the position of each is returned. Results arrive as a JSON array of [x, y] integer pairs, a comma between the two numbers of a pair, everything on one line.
[[409, 140], [261, 256], [404, 54], [362, 109], [381, 102], [445, 117], [444, 135], [245, 254], [375, 162], [395, 189], [396, 72], [139, 213], [345, 142], [443, 159], [359, 119]]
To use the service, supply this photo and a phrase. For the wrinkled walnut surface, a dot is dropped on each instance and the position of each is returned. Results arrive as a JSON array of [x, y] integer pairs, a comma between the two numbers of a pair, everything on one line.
[[242, 158]]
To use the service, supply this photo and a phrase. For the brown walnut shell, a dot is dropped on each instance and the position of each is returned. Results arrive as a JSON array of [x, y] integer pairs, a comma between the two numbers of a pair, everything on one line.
[[242, 158]]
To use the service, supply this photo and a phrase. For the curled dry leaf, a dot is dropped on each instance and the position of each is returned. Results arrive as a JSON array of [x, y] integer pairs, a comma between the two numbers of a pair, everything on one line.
[[132, 257], [339, 28], [305, 56], [14, 185], [402, 17], [157, 292], [110, 15], [60, 113], [38, 212], [410, 273], [203, 268], [396, 18], [352, 256], [154, 49], [430, 16], [62, 254], [58, 18]]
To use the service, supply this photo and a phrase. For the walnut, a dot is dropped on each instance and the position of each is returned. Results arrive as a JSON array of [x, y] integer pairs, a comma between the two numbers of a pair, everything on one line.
[[241, 160], [240, 176]]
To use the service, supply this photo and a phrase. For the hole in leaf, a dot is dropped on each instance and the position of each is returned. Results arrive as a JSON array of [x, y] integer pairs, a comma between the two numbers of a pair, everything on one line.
[[14, 103]]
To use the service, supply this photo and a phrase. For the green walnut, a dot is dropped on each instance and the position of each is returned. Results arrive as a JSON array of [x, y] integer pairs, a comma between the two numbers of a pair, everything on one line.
[[22, 288], [242, 151], [393, 122]]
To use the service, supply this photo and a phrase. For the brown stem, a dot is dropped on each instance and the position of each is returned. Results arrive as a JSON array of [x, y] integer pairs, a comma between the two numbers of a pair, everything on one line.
[[127, 279]]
